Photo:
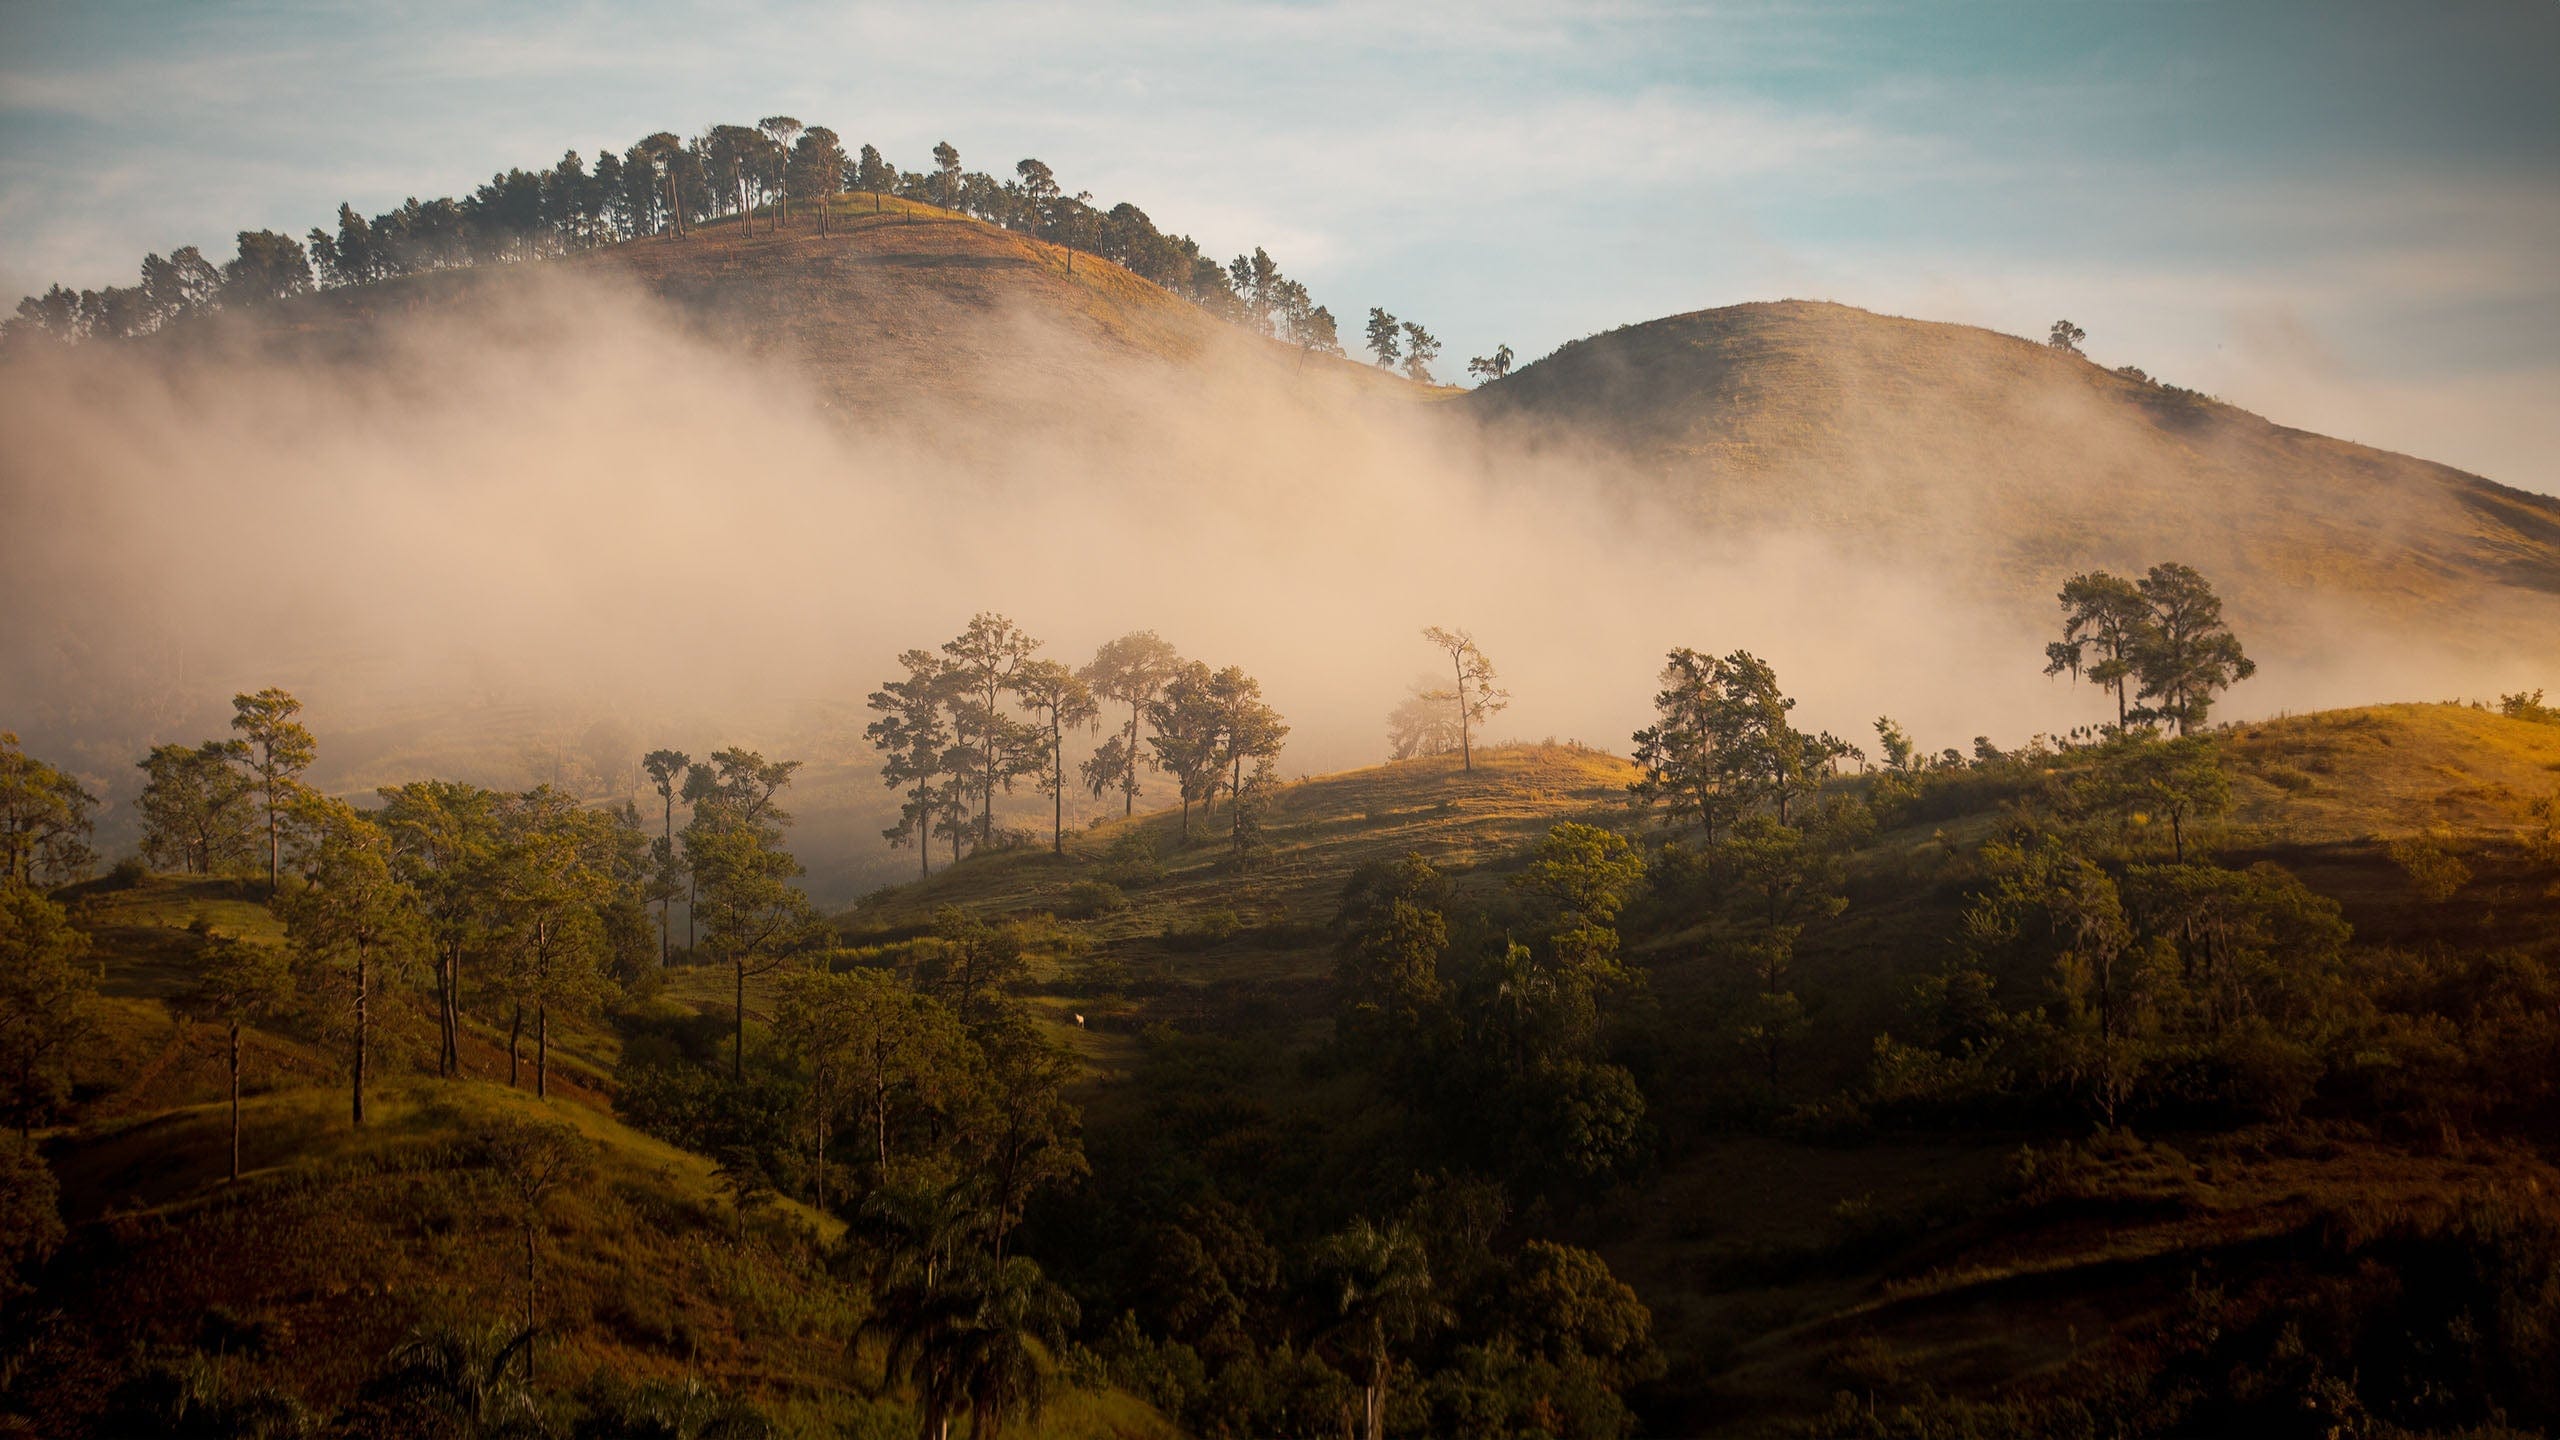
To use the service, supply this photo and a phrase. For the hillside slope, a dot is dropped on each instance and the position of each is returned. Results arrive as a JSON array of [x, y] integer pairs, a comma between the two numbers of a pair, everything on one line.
[[2004, 465]]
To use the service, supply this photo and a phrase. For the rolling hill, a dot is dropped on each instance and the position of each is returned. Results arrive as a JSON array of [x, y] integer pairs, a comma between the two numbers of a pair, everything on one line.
[[2002, 465]]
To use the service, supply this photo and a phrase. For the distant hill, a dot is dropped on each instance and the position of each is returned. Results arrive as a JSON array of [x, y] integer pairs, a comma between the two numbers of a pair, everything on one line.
[[2006, 465], [905, 311]]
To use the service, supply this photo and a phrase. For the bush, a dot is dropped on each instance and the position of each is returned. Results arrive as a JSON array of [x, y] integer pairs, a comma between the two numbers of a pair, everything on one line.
[[1215, 927], [128, 872], [1133, 861], [1091, 899]]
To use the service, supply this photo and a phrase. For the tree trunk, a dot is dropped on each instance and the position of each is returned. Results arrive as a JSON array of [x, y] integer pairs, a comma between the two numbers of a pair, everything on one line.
[[1057, 788], [542, 1052], [738, 1056], [1466, 741], [515, 1046], [363, 1019], [235, 1099]]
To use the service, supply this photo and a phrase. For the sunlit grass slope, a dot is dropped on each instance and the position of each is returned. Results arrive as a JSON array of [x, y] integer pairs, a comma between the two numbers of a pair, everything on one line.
[[2002, 465]]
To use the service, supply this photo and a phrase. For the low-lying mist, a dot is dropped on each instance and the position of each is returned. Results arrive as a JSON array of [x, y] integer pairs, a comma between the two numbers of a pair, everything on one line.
[[497, 533]]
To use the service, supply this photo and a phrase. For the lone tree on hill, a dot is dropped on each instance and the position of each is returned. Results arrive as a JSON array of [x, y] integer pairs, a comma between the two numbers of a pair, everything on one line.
[[1421, 347], [280, 749], [2189, 653], [240, 983], [1386, 338], [1493, 366], [195, 806], [1473, 695], [2106, 622], [2066, 337]]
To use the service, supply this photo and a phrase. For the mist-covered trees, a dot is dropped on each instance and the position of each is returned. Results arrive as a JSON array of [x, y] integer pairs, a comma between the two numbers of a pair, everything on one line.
[[666, 184], [279, 749], [1131, 671], [2161, 637], [964, 724], [197, 807], [45, 820], [1723, 745], [1472, 696], [2066, 337], [753, 917]]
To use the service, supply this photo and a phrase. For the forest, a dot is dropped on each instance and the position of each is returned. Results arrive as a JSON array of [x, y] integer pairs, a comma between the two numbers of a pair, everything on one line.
[[1371, 1199], [662, 186]]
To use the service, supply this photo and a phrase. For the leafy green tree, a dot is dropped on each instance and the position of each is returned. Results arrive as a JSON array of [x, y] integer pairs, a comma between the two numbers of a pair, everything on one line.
[[1491, 367], [1058, 700], [2106, 623], [914, 735], [443, 835], [1422, 723], [30, 1215], [45, 997], [1131, 671], [872, 173], [945, 183], [816, 170], [269, 267], [1421, 347], [195, 806], [1780, 879], [280, 750], [239, 983], [1473, 695], [753, 917], [1688, 769], [666, 770], [2189, 654], [980, 1337], [985, 664], [1386, 338], [1187, 730], [355, 921], [547, 882], [1383, 1298], [44, 820], [1249, 732], [2181, 780], [532, 1161], [774, 158], [1392, 932], [1562, 1304]]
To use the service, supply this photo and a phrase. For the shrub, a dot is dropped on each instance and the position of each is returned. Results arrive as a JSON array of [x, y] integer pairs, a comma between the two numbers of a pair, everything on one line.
[[1133, 862], [1090, 899], [2434, 871]]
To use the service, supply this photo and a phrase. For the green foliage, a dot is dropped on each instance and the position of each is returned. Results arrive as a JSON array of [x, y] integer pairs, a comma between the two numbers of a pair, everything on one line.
[[2435, 872], [44, 820], [46, 998], [30, 1215], [2530, 707]]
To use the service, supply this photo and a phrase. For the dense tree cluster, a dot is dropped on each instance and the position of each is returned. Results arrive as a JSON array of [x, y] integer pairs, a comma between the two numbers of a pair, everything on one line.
[[2159, 644], [664, 185], [986, 711]]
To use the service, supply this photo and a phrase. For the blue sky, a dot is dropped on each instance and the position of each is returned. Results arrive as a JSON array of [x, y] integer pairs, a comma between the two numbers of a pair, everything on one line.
[[2346, 216]]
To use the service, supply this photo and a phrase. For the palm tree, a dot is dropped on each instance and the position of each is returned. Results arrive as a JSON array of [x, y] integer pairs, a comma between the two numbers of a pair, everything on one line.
[[1022, 1320], [478, 1376], [980, 1336], [1383, 1296]]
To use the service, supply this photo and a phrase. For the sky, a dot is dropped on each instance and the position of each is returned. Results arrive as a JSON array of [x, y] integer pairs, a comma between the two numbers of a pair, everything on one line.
[[2344, 216]]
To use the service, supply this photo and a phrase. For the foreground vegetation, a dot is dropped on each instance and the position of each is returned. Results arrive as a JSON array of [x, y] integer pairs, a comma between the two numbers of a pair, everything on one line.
[[2134, 1083]]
